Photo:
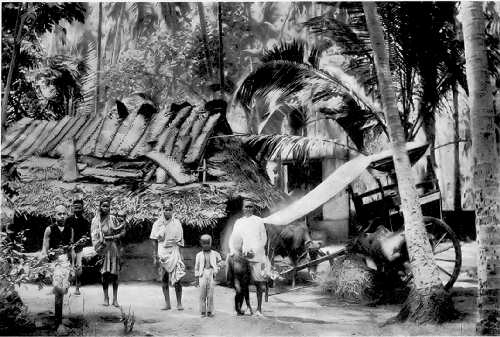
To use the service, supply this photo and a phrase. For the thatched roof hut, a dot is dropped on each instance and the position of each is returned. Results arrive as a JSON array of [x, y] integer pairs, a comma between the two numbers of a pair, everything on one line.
[[137, 155]]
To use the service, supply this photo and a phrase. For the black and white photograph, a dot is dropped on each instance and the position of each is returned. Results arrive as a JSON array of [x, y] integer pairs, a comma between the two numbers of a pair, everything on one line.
[[250, 168]]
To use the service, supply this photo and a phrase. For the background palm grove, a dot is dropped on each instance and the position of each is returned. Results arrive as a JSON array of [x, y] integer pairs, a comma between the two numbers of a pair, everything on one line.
[[289, 82]]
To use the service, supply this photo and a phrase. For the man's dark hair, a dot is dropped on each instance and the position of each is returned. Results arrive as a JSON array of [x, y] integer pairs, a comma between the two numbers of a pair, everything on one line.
[[78, 201]]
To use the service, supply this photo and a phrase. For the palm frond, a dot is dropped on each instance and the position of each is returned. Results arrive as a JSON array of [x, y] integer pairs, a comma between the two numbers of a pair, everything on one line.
[[352, 42], [294, 51], [277, 82], [86, 107], [295, 148]]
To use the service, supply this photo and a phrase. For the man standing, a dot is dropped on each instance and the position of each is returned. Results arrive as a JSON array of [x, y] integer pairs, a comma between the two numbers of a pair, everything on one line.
[[58, 235], [248, 240], [168, 237], [81, 237]]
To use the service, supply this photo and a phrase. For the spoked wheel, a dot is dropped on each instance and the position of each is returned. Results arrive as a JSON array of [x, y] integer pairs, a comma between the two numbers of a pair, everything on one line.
[[446, 248]]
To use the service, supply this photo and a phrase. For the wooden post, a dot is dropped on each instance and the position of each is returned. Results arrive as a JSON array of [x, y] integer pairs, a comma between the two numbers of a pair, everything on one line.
[[204, 174], [67, 150]]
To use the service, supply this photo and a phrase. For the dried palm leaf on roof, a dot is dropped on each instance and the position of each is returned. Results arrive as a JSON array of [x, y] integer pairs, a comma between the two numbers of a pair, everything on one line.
[[120, 134], [181, 116], [199, 206], [180, 147], [118, 173], [159, 123], [13, 133], [56, 135], [106, 134], [186, 126], [168, 147], [91, 131], [172, 167], [68, 132], [15, 130], [36, 146], [19, 141], [30, 139], [133, 136], [196, 150], [183, 138], [72, 130], [198, 125]]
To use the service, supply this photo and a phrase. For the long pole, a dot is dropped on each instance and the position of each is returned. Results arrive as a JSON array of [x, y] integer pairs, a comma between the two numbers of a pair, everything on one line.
[[98, 71], [221, 53], [203, 26], [13, 61]]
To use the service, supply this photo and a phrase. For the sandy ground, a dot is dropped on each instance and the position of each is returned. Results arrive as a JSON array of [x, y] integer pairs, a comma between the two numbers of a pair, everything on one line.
[[304, 311]]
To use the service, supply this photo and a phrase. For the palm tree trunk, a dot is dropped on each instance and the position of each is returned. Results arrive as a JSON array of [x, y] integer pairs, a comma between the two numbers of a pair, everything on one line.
[[486, 184], [425, 302], [457, 199], [98, 70], [203, 26], [221, 52], [12, 66], [117, 42]]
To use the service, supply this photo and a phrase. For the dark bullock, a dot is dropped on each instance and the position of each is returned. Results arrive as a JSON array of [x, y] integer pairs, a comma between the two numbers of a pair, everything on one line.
[[293, 241]]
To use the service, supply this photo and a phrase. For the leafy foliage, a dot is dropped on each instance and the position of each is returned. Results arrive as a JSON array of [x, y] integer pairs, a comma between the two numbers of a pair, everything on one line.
[[40, 18]]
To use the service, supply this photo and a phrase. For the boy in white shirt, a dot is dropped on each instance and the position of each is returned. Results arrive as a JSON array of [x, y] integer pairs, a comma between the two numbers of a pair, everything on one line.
[[206, 267]]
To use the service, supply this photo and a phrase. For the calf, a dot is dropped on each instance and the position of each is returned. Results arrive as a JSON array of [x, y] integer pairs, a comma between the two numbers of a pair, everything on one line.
[[239, 277]]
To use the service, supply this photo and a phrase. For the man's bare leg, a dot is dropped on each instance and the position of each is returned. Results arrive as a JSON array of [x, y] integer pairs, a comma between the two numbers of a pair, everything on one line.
[[115, 290], [260, 288], [164, 288], [178, 295], [246, 293], [105, 284], [58, 308], [238, 297]]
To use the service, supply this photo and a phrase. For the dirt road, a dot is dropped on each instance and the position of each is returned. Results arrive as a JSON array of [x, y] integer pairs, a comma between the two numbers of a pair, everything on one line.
[[307, 311]]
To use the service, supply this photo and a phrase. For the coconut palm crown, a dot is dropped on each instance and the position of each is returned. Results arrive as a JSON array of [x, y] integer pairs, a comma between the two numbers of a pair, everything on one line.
[[290, 81]]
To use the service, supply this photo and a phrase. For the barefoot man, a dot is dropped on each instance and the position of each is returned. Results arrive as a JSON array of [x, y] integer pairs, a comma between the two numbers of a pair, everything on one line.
[[168, 237], [248, 240]]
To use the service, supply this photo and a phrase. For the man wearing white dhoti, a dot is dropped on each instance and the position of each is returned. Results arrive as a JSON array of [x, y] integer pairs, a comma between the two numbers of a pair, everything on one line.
[[168, 237], [248, 240]]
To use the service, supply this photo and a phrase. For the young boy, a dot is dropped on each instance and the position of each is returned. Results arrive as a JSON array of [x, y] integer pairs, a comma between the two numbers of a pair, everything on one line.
[[206, 266]]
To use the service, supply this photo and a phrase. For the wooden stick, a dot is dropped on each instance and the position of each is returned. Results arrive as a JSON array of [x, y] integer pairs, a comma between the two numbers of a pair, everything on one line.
[[315, 262]]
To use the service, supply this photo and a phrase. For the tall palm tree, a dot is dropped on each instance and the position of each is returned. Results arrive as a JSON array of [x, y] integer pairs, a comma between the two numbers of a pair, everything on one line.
[[426, 56], [99, 52], [204, 36], [485, 169], [428, 301]]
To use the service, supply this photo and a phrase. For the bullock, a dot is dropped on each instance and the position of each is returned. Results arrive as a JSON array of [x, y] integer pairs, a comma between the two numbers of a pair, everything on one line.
[[293, 241]]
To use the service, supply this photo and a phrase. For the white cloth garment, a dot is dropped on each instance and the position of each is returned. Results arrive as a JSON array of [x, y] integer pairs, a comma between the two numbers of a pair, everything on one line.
[[249, 234]]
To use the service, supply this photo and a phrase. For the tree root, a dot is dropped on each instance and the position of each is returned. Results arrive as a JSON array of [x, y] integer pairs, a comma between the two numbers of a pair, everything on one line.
[[433, 305]]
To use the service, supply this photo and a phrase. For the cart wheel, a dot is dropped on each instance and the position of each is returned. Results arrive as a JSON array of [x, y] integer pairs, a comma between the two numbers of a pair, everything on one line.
[[446, 248]]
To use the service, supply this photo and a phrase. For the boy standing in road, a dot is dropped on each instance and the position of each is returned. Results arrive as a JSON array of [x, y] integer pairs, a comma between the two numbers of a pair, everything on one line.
[[206, 267]]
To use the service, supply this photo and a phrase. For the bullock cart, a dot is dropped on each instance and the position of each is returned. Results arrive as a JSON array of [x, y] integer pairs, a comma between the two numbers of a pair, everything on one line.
[[379, 216]]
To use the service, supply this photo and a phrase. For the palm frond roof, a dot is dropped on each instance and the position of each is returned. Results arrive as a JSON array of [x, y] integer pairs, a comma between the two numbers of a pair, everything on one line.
[[131, 129]]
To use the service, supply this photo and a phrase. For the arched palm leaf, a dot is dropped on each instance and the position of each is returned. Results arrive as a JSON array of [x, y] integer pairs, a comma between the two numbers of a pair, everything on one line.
[[288, 76], [297, 148]]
